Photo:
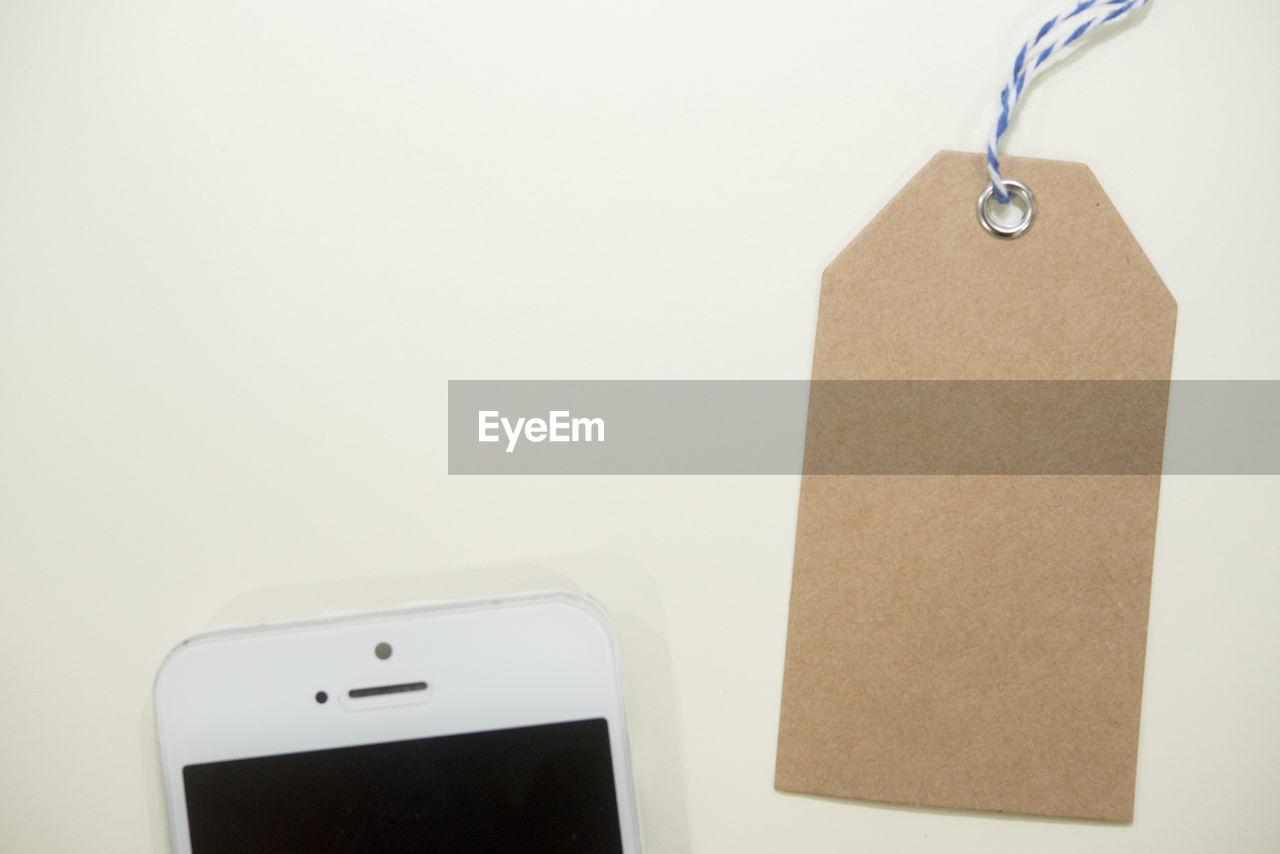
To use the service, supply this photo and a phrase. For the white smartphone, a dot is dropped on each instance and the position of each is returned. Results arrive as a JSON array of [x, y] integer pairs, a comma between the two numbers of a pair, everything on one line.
[[481, 726]]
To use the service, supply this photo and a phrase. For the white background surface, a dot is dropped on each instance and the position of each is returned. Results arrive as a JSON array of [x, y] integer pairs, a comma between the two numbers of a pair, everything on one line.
[[244, 245]]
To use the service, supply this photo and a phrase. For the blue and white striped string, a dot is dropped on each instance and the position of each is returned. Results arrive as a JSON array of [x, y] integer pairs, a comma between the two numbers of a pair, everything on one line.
[[1058, 33]]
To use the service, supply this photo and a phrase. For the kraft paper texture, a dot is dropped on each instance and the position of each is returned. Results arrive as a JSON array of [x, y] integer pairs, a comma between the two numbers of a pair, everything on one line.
[[977, 641]]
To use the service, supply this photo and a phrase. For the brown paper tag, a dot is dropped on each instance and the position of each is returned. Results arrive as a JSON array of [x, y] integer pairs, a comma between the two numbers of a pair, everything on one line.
[[977, 641]]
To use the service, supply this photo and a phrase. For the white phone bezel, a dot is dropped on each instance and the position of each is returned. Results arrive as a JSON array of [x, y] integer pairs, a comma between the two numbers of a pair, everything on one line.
[[490, 664]]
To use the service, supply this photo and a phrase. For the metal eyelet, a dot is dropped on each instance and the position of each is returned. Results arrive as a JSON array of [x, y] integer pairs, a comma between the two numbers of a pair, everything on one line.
[[1021, 197]]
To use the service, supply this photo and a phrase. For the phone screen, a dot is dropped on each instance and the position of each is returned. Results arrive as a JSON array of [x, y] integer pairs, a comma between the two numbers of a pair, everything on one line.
[[531, 789]]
